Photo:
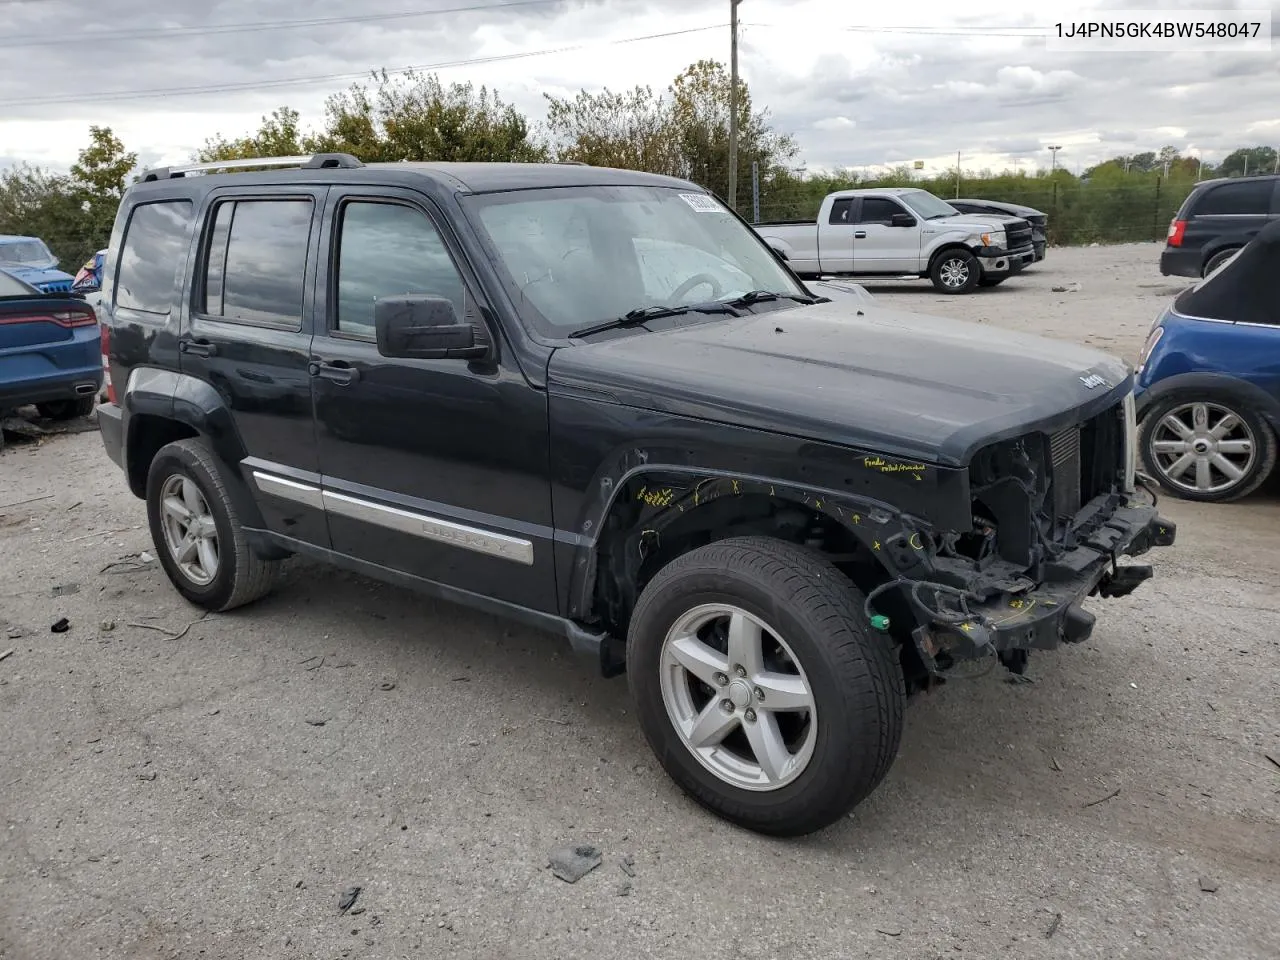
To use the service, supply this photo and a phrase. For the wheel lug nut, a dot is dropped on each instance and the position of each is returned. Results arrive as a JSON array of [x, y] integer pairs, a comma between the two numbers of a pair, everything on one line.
[[726, 706], [740, 670], [750, 716], [721, 679], [759, 694]]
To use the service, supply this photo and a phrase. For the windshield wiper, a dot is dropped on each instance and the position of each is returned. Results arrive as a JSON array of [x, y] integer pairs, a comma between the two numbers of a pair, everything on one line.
[[636, 317], [761, 296]]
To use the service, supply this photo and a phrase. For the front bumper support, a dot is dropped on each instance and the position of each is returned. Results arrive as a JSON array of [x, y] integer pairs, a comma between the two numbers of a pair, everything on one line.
[[1051, 613]]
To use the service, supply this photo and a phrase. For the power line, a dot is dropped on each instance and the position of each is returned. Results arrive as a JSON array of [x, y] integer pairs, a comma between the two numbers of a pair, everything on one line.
[[115, 96], [215, 29]]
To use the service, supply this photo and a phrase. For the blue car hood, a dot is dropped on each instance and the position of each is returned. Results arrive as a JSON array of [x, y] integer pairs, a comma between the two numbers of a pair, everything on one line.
[[39, 276]]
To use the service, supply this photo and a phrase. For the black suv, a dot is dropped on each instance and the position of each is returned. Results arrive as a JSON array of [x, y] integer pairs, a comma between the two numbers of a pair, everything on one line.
[[1215, 221], [594, 401]]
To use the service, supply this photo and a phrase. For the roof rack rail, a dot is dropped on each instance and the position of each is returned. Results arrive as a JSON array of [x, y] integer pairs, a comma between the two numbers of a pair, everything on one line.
[[310, 161]]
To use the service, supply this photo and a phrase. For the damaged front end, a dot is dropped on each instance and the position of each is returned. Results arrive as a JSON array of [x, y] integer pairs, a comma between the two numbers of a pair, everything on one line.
[[1052, 515]]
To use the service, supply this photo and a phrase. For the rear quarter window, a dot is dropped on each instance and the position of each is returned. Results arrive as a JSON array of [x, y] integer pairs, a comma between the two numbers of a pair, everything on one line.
[[1244, 197], [154, 247]]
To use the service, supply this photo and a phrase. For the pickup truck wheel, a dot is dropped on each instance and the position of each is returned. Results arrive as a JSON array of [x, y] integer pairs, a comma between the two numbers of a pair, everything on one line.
[[196, 529], [760, 686], [1214, 449], [955, 271]]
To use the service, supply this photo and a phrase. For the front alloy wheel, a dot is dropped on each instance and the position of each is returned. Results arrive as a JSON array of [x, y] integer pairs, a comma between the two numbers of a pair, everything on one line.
[[761, 687], [737, 697], [955, 271], [1209, 450]]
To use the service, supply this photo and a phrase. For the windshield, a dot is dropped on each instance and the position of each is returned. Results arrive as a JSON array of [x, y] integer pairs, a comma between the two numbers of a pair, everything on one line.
[[927, 205], [25, 253], [577, 256]]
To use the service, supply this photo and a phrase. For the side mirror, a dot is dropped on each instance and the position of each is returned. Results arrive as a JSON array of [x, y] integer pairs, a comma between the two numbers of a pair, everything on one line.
[[902, 220], [422, 327]]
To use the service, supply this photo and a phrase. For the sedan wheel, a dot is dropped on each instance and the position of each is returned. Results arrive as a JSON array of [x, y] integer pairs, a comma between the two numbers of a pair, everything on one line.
[[1207, 449]]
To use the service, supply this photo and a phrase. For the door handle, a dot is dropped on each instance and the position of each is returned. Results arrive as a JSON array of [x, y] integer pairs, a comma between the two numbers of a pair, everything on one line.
[[859, 234], [197, 348], [339, 372]]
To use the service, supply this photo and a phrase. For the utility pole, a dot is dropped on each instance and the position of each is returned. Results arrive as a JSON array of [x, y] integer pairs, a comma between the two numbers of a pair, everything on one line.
[[1053, 149], [957, 174], [733, 104]]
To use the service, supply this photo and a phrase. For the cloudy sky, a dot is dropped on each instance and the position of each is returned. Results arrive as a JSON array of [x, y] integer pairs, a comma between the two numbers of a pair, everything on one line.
[[857, 84]]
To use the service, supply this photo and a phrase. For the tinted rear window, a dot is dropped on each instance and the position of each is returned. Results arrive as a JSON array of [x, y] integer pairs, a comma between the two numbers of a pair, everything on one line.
[[155, 244], [1247, 196], [256, 261]]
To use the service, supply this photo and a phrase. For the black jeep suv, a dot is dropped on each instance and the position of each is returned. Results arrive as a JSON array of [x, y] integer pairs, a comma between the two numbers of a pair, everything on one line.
[[593, 400]]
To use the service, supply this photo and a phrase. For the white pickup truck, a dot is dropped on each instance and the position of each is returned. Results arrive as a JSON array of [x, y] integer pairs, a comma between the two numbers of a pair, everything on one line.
[[902, 231]]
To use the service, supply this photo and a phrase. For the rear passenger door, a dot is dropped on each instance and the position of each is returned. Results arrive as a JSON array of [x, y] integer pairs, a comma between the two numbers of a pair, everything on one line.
[[1231, 214], [435, 468], [248, 337], [835, 237]]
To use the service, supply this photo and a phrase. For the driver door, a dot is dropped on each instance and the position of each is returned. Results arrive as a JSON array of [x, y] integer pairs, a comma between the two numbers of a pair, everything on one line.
[[434, 468]]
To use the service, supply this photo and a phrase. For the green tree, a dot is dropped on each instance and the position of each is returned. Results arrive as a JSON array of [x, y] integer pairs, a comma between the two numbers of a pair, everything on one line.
[[98, 181], [37, 203], [279, 135], [1248, 160], [631, 130], [415, 117]]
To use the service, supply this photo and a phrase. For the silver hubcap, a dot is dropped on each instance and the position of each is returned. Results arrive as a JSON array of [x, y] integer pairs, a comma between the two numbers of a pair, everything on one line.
[[737, 696], [1203, 448], [189, 531], [955, 273]]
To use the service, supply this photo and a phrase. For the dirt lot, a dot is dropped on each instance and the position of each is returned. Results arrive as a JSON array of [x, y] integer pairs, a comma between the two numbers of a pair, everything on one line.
[[212, 793]]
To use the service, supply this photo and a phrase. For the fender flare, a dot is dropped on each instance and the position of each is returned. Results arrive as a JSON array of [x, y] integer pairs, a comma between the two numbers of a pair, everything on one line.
[[896, 539], [1218, 383], [193, 403]]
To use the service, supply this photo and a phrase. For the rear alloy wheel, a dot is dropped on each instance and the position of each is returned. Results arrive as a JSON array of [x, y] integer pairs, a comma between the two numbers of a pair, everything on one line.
[[955, 271], [1213, 450], [196, 528], [1218, 259], [760, 686]]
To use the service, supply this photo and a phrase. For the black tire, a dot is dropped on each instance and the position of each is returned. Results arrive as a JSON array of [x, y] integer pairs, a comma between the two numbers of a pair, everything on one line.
[[1219, 258], [990, 281], [242, 576], [854, 673], [1263, 436], [66, 409], [954, 262]]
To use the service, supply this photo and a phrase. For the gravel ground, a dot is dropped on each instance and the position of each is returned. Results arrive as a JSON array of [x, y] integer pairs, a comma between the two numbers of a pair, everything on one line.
[[212, 794]]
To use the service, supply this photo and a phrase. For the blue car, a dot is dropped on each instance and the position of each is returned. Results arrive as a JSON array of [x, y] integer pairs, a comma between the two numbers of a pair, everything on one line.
[[28, 259], [1208, 380], [50, 351]]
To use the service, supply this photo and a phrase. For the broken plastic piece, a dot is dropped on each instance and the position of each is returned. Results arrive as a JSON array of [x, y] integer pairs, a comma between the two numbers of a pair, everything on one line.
[[880, 622], [572, 863]]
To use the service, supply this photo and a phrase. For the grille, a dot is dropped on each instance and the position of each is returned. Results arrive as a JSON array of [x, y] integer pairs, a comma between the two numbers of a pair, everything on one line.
[[1019, 234], [1064, 455]]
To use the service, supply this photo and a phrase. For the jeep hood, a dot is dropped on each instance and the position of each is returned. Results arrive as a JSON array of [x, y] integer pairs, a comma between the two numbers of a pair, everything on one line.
[[900, 384]]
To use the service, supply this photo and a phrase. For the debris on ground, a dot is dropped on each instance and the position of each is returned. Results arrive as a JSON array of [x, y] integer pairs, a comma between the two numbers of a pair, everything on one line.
[[348, 899], [1110, 796], [14, 633], [7, 654], [316, 723], [66, 589], [357, 911], [386, 686], [1208, 885], [574, 862], [1053, 926], [628, 865], [108, 625], [128, 563], [150, 775], [624, 888], [171, 635], [62, 625], [1053, 764], [890, 931], [1267, 755]]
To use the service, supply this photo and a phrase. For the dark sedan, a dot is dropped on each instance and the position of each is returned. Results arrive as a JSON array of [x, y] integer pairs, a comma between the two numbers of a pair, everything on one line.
[[1039, 221]]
